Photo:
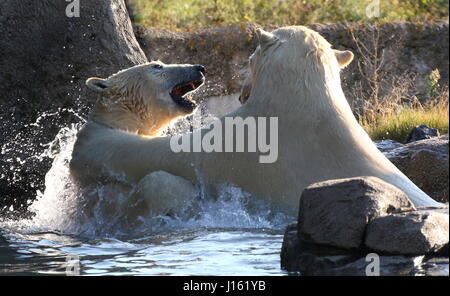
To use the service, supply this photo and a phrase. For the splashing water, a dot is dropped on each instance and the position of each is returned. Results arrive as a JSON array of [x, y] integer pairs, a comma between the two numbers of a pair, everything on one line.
[[92, 223], [52, 206], [58, 208]]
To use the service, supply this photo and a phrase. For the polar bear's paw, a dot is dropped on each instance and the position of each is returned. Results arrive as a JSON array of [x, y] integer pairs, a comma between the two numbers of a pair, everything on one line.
[[160, 193]]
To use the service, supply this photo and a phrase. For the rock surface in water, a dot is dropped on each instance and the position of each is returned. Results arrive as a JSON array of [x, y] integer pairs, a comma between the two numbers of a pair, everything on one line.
[[336, 212], [422, 132], [426, 163], [413, 233], [345, 225], [295, 257]]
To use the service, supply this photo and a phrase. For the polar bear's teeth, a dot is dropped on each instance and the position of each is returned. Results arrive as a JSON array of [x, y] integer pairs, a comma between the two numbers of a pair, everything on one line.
[[192, 85]]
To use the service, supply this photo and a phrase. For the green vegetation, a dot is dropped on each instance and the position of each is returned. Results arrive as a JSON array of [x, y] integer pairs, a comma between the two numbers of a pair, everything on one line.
[[187, 15], [397, 125], [433, 82], [395, 114]]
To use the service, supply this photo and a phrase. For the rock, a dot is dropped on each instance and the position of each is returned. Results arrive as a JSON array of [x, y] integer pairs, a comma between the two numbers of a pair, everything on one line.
[[290, 249], [388, 266], [46, 59], [295, 257], [364, 226], [426, 163], [336, 212], [411, 233], [422, 132]]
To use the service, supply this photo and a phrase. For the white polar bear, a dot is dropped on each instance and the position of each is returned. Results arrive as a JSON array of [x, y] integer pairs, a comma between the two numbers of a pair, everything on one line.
[[294, 77]]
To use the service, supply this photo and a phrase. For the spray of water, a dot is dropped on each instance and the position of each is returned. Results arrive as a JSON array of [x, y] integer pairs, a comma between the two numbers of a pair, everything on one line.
[[102, 211]]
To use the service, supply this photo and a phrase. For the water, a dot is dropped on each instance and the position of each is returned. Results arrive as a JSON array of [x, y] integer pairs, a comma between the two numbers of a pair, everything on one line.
[[185, 252], [87, 232]]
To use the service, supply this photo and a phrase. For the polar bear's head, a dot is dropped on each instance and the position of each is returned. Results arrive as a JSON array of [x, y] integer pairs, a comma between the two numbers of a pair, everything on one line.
[[294, 51], [146, 98]]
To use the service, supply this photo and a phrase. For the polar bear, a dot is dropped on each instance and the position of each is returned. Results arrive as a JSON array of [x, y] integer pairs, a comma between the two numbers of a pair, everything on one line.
[[295, 77], [146, 98]]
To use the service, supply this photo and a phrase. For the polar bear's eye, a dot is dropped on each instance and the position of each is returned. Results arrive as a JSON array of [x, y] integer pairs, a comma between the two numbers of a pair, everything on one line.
[[157, 66]]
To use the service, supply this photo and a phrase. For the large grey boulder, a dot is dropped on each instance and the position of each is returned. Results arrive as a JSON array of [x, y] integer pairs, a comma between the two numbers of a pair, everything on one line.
[[345, 225], [336, 212], [412, 233], [45, 58], [426, 163], [342, 222], [310, 260]]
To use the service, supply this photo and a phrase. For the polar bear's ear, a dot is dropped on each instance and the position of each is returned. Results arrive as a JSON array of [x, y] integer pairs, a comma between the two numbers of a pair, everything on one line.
[[97, 84], [265, 38], [344, 58]]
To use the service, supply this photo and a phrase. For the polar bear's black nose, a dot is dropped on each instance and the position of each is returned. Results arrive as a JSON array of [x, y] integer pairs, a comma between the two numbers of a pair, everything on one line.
[[200, 68]]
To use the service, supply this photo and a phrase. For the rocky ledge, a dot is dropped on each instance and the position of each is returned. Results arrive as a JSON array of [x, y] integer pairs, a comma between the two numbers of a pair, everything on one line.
[[365, 226], [425, 162], [412, 48]]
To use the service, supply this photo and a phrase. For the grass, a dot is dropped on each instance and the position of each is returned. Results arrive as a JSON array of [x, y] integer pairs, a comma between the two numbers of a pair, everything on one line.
[[397, 125], [188, 15], [396, 113], [387, 107]]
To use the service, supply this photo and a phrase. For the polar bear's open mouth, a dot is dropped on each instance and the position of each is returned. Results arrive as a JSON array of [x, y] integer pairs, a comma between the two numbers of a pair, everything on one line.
[[180, 94]]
